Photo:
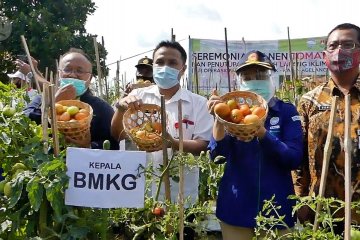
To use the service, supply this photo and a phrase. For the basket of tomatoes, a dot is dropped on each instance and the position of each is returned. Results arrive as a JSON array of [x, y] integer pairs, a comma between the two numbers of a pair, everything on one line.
[[144, 127], [74, 119], [242, 113]]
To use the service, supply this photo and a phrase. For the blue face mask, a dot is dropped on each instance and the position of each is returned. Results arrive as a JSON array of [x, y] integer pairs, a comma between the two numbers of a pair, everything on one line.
[[264, 88], [78, 84], [165, 77]]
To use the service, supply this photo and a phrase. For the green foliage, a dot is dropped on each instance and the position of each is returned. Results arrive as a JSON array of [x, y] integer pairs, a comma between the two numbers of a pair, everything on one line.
[[269, 219], [50, 28]]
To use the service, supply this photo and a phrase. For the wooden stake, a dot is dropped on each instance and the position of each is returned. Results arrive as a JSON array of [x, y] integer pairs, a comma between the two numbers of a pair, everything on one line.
[[104, 70], [227, 60], [54, 128], [181, 173], [196, 77], [165, 153], [36, 77], [98, 67], [46, 73], [290, 56], [44, 117], [117, 79], [348, 150], [326, 159]]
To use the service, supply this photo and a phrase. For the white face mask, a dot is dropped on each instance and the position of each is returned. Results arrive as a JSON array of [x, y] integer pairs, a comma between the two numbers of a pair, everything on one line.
[[264, 88]]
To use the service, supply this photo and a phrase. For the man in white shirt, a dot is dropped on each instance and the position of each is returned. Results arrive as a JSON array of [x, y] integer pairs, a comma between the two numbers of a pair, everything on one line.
[[168, 67]]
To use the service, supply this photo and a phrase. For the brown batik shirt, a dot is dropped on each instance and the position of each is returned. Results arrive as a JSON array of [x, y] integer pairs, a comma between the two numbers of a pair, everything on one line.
[[315, 107]]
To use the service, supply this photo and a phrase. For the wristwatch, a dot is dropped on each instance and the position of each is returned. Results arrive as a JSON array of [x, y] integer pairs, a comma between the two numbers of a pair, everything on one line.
[[120, 107], [29, 75]]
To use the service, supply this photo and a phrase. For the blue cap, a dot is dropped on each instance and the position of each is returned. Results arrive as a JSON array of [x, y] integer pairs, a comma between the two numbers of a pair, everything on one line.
[[255, 58]]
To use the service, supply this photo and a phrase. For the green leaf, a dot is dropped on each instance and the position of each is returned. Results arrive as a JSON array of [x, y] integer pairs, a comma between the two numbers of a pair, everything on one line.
[[55, 165], [55, 196], [16, 190], [35, 192], [4, 226], [5, 138]]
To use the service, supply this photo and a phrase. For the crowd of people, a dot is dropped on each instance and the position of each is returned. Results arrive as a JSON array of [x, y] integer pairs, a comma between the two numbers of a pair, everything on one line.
[[291, 139]]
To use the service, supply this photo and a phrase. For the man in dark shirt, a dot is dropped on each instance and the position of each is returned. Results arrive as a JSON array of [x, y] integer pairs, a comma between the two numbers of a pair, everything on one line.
[[75, 72]]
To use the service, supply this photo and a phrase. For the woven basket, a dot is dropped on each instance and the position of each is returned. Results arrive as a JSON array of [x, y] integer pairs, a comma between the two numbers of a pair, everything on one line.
[[244, 132], [78, 129], [140, 85], [135, 119]]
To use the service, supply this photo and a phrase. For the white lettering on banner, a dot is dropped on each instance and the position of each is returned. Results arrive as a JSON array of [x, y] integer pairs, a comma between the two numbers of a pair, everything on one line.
[[211, 59], [105, 178]]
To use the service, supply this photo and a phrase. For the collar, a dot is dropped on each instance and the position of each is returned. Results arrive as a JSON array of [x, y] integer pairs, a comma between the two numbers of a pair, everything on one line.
[[333, 86], [180, 94], [273, 104]]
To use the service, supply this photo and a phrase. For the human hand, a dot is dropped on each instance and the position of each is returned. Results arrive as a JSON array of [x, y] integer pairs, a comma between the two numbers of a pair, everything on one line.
[[261, 132], [23, 67], [213, 100], [132, 102], [67, 92], [128, 88]]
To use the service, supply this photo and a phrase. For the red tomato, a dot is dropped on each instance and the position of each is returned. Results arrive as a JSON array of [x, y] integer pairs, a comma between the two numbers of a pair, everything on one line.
[[236, 116], [259, 111], [245, 110], [158, 211]]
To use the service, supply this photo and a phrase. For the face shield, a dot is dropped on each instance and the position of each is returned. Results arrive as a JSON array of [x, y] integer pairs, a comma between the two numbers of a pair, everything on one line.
[[258, 81]]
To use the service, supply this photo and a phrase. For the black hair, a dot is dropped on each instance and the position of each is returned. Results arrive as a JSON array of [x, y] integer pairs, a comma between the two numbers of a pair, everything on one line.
[[345, 26], [175, 45]]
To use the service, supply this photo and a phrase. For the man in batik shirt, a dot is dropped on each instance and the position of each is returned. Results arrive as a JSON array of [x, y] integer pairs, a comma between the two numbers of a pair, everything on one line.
[[342, 57]]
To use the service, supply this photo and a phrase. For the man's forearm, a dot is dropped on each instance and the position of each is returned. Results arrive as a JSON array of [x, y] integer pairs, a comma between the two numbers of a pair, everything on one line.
[[117, 128], [192, 146]]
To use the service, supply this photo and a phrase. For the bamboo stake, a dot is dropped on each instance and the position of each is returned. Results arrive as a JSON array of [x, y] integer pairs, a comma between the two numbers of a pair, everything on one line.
[[54, 128], [181, 173], [44, 117], [117, 85], [196, 77], [98, 67], [172, 35], [165, 153], [326, 158], [104, 71], [46, 73], [290, 55], [23, 40], [348, 150], [227, 60], [57, 73]]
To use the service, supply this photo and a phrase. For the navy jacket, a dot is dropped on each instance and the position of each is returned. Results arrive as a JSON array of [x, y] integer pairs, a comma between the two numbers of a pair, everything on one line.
[[259, 169], [100, 123]]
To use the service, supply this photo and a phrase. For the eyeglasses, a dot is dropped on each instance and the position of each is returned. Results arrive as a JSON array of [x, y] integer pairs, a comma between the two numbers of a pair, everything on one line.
[[346, 45], [76, 71]]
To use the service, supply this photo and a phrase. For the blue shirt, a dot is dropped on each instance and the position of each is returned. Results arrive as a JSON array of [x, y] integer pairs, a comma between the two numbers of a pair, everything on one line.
[[259, 169], [100, 123]]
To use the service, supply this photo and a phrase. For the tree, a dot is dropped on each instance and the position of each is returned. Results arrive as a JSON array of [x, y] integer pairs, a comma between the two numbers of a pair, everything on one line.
[[50, 28]]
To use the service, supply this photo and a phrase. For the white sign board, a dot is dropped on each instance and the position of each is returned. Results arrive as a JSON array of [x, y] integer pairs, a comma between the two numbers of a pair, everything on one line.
[[105, 178]]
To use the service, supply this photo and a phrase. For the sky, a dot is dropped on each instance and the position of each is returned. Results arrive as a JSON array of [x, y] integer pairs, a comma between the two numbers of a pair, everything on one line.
[[131, 28]]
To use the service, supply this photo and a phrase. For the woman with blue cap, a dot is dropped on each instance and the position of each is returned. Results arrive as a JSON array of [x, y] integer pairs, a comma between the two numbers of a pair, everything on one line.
[[261, 168]]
